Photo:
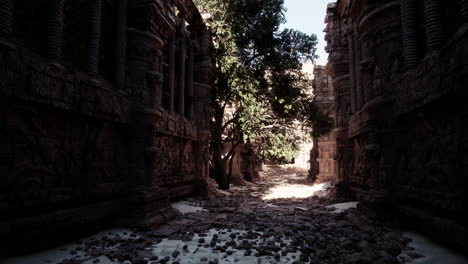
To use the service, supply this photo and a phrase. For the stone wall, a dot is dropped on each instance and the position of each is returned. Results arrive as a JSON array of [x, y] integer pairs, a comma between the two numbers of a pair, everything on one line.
[[400, 73], [323, 164], [103, 115]]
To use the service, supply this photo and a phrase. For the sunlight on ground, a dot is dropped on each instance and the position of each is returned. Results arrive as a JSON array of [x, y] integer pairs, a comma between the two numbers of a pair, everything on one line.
[[288, 191], [341, 207]]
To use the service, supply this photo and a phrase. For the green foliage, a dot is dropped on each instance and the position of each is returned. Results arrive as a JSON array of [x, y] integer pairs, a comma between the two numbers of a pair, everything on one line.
[[320, 122], [259, 74], [279, 147]]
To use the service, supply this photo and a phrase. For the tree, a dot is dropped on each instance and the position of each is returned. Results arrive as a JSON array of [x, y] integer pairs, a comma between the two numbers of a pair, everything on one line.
[[260, 88]]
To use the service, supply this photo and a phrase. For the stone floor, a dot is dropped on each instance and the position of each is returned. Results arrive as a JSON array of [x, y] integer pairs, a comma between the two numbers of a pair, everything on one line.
[[282, 219]]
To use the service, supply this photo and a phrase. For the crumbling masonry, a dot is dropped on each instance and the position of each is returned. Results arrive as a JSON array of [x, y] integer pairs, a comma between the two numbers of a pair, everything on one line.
[[103, 114], [400, 77]]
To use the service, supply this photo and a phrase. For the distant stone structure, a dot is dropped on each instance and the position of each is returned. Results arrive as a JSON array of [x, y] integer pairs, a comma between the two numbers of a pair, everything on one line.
[[400, 75], [302, 159], [104, 114], [322, 155]]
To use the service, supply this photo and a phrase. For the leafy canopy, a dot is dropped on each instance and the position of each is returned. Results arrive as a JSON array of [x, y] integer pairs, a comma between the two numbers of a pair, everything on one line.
[[259, 74]]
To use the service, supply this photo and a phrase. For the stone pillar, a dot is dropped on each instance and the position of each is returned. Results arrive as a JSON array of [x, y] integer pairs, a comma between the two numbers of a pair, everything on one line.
[[352, 70], [433, 24], [408, 22], [190, 92], [121, 44], [365, 47], [171, 73], [181, 71], [94, 37], [7, 8], [158, 78], [464, 10], [55, 34], [367, 68], [372, 149], [205, 76], [357, 61], [369, 86]]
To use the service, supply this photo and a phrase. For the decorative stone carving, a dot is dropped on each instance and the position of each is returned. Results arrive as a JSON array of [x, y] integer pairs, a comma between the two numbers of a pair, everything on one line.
[[322, 163], [182, 53], [369, 87], [408, 23], [94, 37], [367, 65], [358, 69], [7, 8], [433, 26], [403, 149], [121, 44], [372, 149], [55, 30], [171, 78], [190, 87], [464, 10], [352, 70], [79, 148]]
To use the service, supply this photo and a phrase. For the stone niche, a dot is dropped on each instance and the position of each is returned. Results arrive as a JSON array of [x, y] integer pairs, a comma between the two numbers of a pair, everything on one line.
[[103, 115], [401, 131]]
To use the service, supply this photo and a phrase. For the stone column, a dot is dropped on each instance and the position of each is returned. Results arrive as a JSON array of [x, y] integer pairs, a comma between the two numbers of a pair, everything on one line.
[[190, 91], [181, 71], [365, 47], [94, 37], [7, 8], [121, 44], [464, 10], [372, 149], [171, 73], [158, 79], [55, 34], [433, 24], [357, 61], [369, 88], [352, 70], [408, 23], [204, 78], [367, 68]]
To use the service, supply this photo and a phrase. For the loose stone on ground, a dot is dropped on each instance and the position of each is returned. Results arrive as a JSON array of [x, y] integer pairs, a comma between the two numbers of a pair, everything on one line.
[[238, 227]]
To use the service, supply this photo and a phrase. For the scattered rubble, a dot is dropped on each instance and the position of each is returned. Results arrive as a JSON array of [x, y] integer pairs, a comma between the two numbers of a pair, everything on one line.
[[241, 228]]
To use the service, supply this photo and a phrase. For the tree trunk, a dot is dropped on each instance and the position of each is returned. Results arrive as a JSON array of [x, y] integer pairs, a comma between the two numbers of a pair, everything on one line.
[[220, 173], [217, 146]]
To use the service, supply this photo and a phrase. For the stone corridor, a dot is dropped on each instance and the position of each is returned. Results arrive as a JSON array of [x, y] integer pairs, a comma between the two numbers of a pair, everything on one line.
[[281, 219], [106, 110]]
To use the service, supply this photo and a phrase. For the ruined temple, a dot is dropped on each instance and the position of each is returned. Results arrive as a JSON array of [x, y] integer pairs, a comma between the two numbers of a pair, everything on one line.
[[322, 168], [399, 73], [103, 114], [105, 137]]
